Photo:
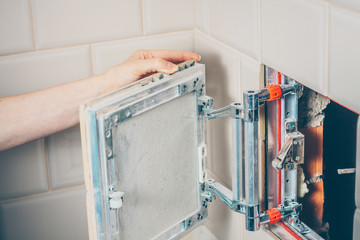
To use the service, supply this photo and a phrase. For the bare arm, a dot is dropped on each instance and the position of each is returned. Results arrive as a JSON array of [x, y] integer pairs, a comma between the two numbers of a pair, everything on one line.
[[34, 115]]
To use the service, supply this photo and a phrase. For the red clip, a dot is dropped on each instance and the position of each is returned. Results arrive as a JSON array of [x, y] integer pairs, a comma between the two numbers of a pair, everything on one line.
[[274, 215], [275, 92]]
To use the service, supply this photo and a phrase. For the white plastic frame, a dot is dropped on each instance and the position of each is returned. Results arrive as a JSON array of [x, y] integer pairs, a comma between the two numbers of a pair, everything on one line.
[[97, 119]]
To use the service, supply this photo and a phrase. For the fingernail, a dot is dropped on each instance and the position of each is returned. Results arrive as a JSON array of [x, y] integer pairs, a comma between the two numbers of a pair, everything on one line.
[[172, 67]]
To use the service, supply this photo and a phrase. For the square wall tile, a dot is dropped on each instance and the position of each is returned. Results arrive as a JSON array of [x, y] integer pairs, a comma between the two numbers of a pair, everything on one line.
[[57, 216], [223, 85], [23, 170], [236, 22], [167, 16], [251, 74], [28, 72], [200, 233], [202, 15], [350, 4], [344, 55], [107, 55], [65, 158], [223, 222], [293, 34], [60, 23], [15, 27], [222, 69]]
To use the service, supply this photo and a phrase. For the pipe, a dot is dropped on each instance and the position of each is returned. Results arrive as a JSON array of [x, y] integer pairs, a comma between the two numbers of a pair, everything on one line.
[[251, 109]]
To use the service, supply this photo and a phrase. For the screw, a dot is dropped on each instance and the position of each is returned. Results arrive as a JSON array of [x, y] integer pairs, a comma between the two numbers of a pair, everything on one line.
[[297, 158], [108, 134], [109, 153], [127, 113], [116, 118], [291, 166], [295, 142], [291, 125]]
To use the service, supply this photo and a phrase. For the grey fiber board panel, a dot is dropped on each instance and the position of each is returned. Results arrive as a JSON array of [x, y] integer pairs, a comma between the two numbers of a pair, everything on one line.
[[356, 228], [156, 168]]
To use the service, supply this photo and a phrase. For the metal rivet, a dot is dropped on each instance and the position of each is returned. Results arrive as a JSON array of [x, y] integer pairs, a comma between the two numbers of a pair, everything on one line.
[[116, 118], [291, 166], [127, 113], [295, 142], [108, 134], [297, 158], [291, 126], [109, 153]]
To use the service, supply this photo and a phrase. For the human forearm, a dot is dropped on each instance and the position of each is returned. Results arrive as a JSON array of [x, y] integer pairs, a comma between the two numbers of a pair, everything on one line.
[[34, 115]]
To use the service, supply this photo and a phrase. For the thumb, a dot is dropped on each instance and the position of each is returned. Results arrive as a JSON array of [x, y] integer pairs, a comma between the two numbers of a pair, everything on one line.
[[143, 67]]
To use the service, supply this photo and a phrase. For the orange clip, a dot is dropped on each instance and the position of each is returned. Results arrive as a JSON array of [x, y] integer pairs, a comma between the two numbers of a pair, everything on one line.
[[274, 215], [275, 92]]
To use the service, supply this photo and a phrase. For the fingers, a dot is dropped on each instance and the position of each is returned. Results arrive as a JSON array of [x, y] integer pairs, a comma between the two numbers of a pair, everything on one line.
[[169, 55], [142, 67]]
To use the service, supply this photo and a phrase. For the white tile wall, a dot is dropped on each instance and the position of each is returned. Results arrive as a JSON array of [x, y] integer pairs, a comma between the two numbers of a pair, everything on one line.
[[224, 223], [202, 15], [60, 23], [222, 84], [28, 72], [65, 158], [166, 16], [236, 22], [23, 170], [250, 73], [56, 216], [350, 4], [200, 233], [15, 26], [344, 55], [293, 39], [110, 54]]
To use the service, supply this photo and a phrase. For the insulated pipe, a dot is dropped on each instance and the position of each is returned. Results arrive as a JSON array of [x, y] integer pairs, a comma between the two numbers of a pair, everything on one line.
[[251, 113]]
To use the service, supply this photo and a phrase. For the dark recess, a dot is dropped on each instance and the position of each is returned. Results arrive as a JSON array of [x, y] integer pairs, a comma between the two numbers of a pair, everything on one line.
[[339, 152]]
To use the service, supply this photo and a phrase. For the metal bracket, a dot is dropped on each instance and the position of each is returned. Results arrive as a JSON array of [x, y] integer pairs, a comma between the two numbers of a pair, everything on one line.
[[291, 153]]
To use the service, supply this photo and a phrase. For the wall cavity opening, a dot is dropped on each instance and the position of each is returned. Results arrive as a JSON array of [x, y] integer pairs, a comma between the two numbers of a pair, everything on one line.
[[330, 144]]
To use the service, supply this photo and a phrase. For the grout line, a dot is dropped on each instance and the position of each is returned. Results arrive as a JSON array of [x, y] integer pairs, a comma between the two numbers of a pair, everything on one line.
[[142, 17], [46, 50], [32, 23], [101, 42], [327, 49], [207, 16], [343, 7], [43, 193], [259, 30], [47, 165], [92, 60], [225, 45]]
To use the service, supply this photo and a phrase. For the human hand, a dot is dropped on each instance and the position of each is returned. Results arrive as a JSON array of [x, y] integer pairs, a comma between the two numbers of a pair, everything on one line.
[[142, 63]]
